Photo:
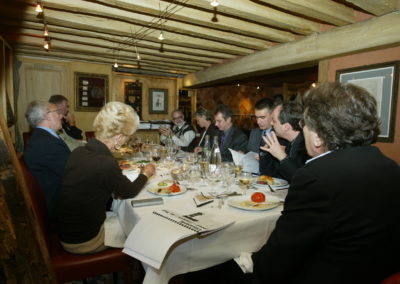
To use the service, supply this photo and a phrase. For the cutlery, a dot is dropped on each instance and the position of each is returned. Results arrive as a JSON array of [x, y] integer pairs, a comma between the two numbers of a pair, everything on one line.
[[270, 188]]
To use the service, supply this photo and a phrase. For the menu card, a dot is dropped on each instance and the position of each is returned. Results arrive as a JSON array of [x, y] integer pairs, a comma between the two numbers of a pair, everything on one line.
[[152, 237], [249, 161]]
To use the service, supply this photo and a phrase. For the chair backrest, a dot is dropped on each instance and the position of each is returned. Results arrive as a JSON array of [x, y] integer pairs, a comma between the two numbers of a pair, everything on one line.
[[25, 138], [89, 135], [393, 279], [38, 200]]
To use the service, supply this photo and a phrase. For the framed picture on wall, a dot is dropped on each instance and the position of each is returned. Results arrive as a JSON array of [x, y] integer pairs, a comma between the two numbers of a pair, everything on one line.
[[91, 91], [381, 80], [133, 96], [158, 101]]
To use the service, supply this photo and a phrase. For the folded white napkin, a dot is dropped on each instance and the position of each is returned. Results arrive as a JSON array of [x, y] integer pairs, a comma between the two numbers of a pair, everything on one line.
[[245, 262]]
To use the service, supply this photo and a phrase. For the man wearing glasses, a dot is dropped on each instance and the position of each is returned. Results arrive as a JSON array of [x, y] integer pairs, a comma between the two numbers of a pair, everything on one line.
[[46, 153], [182, 133]]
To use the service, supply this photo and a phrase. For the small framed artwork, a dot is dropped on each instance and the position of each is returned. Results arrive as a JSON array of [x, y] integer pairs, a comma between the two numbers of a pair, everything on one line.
[[133, 96], [158, 101], [91, 91], [381, 80]]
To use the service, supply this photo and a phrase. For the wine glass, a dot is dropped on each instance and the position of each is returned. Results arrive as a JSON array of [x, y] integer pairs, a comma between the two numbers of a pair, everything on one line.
[[245, 180], [194, 174], [228, 174], [204, 165], [155, 155], [238, 167], [214, 174]]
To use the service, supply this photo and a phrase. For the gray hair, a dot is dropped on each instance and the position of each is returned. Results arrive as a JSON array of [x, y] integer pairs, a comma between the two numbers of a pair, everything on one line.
[[35, 112]]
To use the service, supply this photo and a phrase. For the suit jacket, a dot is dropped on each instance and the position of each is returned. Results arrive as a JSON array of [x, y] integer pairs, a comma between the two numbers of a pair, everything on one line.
[[235, 140], [71, 130], [296, 157], [254, 140], [340, 222], [211, 131], [46, 157]]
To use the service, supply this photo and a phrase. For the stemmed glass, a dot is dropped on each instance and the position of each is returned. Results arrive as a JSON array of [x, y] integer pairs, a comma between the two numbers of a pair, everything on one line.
[[214, 174], [238, 167], [228, 174], [155, 155], [245, 180]]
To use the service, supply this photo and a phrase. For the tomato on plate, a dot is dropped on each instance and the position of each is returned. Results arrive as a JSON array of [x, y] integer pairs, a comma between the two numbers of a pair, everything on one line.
[[258, 197], [175, 188]]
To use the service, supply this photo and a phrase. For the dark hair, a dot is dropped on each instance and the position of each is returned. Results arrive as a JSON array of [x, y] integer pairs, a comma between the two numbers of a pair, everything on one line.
[[57, 99], [224, 110], [292, 113], [203, 112], [343, 115], [264, 103]]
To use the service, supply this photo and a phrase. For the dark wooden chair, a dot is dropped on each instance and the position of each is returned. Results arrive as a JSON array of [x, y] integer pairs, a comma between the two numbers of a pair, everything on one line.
[[67, 266], [89, 135], [25, 137], [393, 279]]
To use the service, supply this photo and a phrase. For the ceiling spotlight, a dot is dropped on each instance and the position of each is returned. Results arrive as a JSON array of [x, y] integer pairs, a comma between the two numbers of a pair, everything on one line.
[[161, 36], [115, 64], [46, 45], [258, 87], [214, 3], [39, 8], [161, 48], [238, 85], [46, 31]]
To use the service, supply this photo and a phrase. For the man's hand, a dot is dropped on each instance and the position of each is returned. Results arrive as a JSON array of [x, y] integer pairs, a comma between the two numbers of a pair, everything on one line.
[[70, 118], [165, 131], [149, 170], [273, 146], [198, 149]]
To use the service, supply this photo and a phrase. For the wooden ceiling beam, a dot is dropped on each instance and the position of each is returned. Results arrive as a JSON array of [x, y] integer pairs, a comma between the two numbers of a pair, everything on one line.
[[376, 7], [188, 28], [324, 10], [258, 13], [193, 17], [353, 38]]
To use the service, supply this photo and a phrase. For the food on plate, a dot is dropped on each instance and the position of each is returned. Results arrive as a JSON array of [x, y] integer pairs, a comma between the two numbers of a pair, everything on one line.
[[258, 197], [162, 183], [264, 179], [127, 165], [169, 189], [125, 150]]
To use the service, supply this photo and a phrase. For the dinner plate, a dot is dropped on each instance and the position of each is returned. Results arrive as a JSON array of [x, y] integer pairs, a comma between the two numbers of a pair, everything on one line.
[[245, 203], [127, 165], [162, 190], [276, 183]]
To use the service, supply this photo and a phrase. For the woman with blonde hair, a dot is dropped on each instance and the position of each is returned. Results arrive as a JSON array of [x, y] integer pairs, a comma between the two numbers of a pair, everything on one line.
[[92, 175]]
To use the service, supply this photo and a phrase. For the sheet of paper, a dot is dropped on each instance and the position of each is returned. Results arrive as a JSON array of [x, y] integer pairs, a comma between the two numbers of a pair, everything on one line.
[[114, 236], [249, 161]]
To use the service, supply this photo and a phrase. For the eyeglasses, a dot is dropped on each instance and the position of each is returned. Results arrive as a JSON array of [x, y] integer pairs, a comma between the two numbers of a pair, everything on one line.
[[302, 123], [54, 110], [176, 118]]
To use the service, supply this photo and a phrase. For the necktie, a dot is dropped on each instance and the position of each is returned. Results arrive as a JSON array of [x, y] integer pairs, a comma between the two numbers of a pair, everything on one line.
[[222, 139]]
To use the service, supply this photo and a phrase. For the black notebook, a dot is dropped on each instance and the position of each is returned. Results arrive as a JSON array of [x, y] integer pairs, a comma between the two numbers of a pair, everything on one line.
[[151, 238]]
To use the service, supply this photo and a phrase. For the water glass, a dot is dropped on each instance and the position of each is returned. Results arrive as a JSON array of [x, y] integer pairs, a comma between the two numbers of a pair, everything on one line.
[[245, 181]]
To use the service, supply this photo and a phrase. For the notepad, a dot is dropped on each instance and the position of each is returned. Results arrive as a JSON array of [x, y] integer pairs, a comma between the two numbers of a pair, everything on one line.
[[152, 237]]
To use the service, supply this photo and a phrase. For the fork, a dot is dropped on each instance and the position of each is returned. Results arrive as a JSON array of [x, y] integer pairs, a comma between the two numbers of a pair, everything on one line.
[[270, 188]]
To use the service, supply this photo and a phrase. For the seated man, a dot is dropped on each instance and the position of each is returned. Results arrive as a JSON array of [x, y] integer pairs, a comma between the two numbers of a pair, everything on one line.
[[229, 135], [340, 222], [68, 120], [182, 133], [46, 154], [262, 112], [285, 120]]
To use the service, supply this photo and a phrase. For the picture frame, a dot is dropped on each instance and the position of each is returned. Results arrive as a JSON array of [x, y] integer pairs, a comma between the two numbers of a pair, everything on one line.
[[382, 81], [133, 96], [158, 101], [91, 91]]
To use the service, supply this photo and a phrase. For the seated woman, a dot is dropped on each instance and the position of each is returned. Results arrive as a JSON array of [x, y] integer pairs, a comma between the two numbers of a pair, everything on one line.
[[91, 176], [204, 121]]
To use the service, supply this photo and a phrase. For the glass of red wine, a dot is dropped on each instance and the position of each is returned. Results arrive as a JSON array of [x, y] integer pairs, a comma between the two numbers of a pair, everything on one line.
[[155, 155]]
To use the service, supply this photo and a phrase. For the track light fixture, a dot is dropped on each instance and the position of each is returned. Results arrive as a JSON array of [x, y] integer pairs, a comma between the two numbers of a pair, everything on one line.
[[161, 36], [214, 3], [39, 7]]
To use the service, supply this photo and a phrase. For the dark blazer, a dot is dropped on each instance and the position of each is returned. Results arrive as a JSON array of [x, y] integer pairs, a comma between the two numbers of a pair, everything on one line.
[[91, 176], [296, 157], [46, 157], [211, 131], [254, 140], [340, 222], [71, 130], [235, 140]]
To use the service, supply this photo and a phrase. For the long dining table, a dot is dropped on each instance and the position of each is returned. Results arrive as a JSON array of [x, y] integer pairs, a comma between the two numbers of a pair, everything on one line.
[[249, 232]]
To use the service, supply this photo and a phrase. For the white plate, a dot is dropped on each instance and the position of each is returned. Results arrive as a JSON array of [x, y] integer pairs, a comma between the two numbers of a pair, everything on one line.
[[245, 203], [159, 190], [276, 183]]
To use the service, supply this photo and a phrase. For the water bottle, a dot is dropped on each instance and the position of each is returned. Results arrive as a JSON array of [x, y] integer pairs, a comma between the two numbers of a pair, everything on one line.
[[215, 153]]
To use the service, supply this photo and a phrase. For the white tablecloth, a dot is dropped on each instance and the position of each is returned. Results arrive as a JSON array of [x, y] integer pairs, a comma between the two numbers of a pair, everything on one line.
[[247, 234]]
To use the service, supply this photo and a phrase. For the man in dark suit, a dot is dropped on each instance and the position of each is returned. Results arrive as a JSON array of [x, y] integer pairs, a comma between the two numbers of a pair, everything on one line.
[[46, 154], [285, 121], [229, 136], [340, 222], [68, 119]]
